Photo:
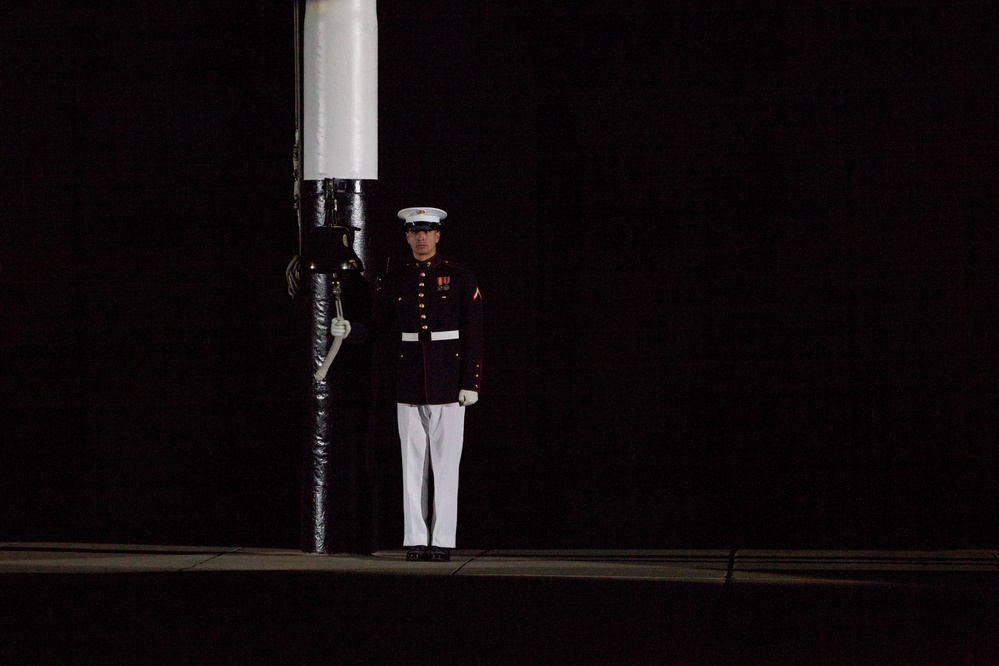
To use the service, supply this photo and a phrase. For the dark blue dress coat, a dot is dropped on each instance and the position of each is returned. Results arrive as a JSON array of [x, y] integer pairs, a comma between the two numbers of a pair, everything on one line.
[[436, 296]]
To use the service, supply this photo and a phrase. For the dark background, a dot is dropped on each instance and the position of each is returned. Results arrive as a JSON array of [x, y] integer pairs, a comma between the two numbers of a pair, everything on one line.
[[739, 264]]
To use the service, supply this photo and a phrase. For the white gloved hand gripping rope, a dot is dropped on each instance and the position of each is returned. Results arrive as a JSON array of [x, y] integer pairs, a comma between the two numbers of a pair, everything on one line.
[[340, 329]]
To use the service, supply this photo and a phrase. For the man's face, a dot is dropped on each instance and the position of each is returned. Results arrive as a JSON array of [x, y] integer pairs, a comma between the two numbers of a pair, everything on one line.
[[423, 243]]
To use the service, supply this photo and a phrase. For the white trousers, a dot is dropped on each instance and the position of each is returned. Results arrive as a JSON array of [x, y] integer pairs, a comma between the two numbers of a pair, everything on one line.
[[431, 438]]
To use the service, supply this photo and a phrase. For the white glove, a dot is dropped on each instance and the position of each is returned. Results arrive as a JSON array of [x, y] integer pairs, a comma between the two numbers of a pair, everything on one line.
[[340, 328], [466, 398]]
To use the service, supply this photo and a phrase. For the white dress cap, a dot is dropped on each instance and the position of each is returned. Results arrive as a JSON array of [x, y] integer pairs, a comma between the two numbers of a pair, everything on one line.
[[428, 216]]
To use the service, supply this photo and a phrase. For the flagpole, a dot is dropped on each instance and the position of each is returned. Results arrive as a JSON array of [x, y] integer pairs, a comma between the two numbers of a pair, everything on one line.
[[339, 158]]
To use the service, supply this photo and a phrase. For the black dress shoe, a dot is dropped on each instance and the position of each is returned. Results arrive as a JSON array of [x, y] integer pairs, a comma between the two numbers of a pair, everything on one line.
[[438, 554], [417, 553]]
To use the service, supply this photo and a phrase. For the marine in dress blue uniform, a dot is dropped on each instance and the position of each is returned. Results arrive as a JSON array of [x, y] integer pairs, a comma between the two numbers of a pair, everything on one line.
[[438, 309]]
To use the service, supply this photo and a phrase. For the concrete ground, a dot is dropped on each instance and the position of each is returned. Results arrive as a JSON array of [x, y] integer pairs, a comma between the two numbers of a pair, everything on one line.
[[134, 604]]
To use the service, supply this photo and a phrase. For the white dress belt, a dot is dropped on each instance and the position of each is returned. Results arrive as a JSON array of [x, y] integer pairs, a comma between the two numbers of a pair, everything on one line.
[[434, 335]]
